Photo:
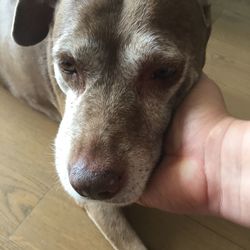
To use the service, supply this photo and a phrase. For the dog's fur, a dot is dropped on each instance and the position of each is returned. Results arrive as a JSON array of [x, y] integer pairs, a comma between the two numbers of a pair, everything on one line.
[[113, 112]]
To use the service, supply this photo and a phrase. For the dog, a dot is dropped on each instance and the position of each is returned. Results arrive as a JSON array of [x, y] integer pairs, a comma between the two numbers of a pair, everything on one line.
[[112, 72]]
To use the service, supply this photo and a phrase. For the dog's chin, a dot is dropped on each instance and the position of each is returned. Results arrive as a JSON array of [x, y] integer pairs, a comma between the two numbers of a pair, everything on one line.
[[118, 200], [121, 200]]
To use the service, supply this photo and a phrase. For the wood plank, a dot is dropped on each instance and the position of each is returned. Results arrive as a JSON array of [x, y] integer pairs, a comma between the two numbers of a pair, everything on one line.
[[57, 223], [25, 161], [18, 196], [31, 143], [6, 244], [228, 56], [162, 231], [2, 242], [239, 7], [233, 232]]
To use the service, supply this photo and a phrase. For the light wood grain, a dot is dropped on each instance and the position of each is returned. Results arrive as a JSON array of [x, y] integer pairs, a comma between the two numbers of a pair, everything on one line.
[[58, 223], [161, 231], [237, 234], [6, 244], [36, 214], [228, 56], [25, 161]]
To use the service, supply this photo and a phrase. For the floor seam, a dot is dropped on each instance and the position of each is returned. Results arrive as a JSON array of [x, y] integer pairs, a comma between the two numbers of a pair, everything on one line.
[[216, 232], [28, 216]]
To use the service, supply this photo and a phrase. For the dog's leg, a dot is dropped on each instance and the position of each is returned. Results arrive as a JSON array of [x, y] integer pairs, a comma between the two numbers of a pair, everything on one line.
[[113, 225]]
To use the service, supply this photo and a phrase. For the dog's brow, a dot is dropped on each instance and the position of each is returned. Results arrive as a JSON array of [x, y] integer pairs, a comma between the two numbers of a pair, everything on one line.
[[146, 44], [66, 46]]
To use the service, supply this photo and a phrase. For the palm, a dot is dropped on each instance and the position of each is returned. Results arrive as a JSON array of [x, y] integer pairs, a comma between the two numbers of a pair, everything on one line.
[[181, 175]]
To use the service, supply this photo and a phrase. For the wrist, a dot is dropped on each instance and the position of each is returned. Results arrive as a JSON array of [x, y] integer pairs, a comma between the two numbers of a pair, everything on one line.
[[227, 170]]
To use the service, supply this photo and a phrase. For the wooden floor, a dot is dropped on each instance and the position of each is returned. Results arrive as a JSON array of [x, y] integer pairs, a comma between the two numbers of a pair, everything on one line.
[[35, 213]]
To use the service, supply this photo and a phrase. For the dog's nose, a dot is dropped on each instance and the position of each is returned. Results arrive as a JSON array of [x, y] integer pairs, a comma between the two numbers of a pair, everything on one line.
[[97, 185]]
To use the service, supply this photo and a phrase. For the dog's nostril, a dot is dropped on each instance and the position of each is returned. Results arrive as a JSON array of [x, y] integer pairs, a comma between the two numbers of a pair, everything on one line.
[[98, 185]]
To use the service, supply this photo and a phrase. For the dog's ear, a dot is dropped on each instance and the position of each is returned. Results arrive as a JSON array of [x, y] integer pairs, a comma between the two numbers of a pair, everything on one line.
[[32, 20], [206, 11]]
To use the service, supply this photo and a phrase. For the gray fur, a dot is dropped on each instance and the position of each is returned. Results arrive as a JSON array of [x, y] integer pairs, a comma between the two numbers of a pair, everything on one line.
[[112, 112]]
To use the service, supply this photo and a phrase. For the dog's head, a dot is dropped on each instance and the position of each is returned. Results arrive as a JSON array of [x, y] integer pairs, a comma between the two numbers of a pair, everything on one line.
[[122, 65]]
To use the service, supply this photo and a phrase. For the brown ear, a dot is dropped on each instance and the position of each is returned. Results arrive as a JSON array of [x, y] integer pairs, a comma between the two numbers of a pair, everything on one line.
[[206, 11], [31, 21]]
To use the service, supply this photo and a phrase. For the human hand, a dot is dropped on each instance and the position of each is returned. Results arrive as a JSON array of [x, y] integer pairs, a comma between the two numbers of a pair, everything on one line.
[[196, 174]]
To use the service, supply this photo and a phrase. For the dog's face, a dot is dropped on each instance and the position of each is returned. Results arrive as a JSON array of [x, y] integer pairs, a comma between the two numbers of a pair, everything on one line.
[[122, 65]]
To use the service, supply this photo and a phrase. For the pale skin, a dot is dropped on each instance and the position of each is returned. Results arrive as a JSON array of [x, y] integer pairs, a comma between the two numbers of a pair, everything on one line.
[[206, 163]]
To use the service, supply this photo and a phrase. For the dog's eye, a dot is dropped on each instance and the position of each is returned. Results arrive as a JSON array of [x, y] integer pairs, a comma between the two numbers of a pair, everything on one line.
[[68, 67], [163, 73]]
